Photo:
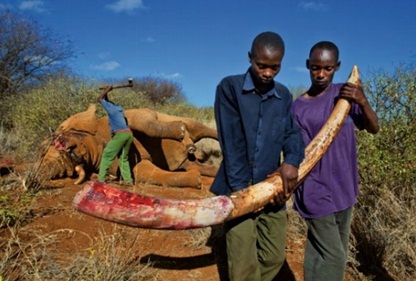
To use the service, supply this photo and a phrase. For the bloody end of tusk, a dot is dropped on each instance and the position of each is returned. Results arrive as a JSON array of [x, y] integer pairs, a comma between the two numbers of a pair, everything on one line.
[[109, 203]]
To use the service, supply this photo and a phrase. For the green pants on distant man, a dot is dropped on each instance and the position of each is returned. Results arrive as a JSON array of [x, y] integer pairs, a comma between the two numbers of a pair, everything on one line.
[[119, 142]]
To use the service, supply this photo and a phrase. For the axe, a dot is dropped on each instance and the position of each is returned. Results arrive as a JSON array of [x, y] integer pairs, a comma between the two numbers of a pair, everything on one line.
[[129, 85]]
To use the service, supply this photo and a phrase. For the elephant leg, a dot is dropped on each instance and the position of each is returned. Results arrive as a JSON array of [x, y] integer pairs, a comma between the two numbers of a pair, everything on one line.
[[204, 169], [146, 172], [199, 131], [147, 121]]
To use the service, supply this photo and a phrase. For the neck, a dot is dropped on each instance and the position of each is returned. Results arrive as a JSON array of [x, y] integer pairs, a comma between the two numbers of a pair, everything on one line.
[[263, 89], [316, 91]]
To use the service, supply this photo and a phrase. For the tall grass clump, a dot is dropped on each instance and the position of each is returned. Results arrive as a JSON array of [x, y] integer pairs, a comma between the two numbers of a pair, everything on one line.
[[8, 142], [384, 225]]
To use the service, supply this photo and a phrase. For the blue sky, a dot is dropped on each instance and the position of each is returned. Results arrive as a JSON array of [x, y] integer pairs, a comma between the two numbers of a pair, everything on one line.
[[196, 43]]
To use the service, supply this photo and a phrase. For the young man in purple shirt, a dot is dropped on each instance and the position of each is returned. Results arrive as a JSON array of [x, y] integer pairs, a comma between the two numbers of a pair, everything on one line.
[[121, 139], [326, 197], [255, 126]]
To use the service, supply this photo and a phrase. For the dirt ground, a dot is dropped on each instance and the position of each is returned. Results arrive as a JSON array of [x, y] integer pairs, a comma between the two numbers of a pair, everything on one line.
[[196, 254]]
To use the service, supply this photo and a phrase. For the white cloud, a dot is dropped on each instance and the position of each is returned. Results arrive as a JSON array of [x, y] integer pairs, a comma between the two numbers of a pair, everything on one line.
[[107, 66], [149, 40], [174, 75], [313, 6], [170, 76], [34, 5], [300, 69], [103, 55], [125, 6]]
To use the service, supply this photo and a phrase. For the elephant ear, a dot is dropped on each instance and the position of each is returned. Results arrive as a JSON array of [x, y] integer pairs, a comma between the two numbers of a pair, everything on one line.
[[84, 121]]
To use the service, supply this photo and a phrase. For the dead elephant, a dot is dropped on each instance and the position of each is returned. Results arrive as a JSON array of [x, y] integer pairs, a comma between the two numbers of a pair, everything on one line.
[[163, 150]]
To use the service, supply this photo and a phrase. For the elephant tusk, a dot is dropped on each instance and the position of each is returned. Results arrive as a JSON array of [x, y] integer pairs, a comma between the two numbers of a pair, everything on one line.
[[109, 203]]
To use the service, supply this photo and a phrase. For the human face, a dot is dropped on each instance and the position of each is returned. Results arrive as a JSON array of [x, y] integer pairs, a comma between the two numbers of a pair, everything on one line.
[[265, 65], [322, 65]]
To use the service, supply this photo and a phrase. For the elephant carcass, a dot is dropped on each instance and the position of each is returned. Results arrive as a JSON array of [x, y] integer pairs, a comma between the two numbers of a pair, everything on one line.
[[162, 143]]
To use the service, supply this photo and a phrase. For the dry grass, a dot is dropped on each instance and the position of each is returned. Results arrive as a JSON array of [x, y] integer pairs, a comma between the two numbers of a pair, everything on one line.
[[384, 232], [198, 237], [110, 257]]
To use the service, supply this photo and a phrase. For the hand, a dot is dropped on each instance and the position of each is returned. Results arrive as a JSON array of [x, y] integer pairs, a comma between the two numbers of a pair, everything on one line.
[[104, 93], [107, 89], [353, 93], [289, 175]]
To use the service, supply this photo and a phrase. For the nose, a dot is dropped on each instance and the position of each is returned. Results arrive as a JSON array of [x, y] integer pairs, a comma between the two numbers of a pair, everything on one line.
[[320, 74], [268, 73]]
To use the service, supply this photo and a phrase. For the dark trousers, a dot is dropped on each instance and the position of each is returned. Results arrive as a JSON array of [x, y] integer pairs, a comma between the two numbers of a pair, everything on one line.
[[327, 246], [256, 246]]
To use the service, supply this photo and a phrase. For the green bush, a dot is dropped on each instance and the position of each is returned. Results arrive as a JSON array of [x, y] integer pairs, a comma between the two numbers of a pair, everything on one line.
[[384, 228], [33, 116]]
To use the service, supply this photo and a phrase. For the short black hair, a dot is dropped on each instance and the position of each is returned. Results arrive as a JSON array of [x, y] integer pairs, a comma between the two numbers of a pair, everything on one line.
[[325, 45], [270, 40]]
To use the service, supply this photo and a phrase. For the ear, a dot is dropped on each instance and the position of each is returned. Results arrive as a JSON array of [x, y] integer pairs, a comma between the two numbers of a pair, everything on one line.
[[307, 63], [338, 66], [249, 57]]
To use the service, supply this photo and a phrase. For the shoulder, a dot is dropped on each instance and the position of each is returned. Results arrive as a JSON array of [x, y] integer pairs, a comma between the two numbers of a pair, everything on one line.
[[282, 90], [233, 80], [333, 92], [105, 103], [280, 87], [336, 87], [230, 85]]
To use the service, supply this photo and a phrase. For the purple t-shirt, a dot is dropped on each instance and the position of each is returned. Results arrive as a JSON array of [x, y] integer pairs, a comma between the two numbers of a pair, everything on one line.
[[332, 185]]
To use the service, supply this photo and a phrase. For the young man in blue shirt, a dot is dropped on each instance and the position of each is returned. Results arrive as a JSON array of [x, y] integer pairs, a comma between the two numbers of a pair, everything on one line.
[[121, 139], [255, 128]]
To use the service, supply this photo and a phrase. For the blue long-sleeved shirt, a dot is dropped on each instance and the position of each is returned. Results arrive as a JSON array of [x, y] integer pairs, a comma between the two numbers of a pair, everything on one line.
[[115, 114], [253, 131]]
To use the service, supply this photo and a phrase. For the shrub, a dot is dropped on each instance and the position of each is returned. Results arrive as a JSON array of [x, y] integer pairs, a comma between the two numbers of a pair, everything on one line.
[[36, 114], [384, 228]]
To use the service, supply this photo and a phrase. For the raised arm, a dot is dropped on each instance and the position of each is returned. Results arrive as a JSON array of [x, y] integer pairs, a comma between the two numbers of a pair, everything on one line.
[[104, 93], [355, 93]]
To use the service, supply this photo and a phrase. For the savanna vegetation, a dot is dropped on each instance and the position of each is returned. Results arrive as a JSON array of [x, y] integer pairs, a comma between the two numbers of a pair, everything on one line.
[[38, 97]]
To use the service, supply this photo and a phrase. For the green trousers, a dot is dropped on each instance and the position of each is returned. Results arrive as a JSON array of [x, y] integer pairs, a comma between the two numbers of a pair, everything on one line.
[[326, 250], [256, 246], [120, 142]]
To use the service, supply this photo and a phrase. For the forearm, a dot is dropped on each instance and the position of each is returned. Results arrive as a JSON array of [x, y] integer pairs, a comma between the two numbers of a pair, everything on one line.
[[102, 96], [104, 93], [370, 119], [233, 146], [293, 145]]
